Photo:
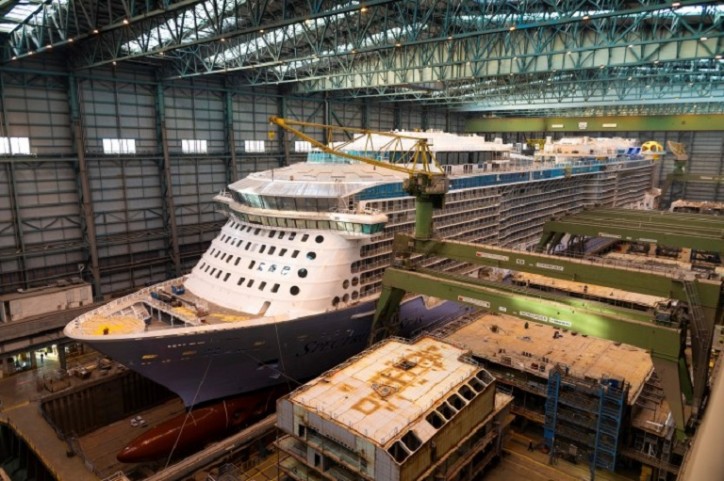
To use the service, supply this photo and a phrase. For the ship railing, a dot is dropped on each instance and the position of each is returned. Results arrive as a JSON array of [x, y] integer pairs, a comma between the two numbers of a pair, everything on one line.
[[144, 294]]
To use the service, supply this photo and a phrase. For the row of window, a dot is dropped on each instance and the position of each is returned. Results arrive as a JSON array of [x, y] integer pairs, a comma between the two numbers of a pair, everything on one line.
[[216, 273], [289, 223], [271, 233]]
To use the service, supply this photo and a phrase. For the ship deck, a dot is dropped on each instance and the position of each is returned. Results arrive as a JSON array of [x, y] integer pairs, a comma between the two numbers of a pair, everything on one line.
[[156, 308]]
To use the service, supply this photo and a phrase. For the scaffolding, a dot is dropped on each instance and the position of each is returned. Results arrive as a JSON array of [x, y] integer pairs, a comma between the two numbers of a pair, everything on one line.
[[584, 416]]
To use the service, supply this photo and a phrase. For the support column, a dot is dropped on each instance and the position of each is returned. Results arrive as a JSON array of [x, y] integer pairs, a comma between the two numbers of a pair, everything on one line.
[[231, 172], [88, 225], [281, 133], [396, 117], [62, 358], [16, 219], [169, 208]]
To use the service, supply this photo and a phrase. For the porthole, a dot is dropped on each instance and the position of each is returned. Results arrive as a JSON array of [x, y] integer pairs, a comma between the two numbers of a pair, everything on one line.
[[311, 255], [335, 301], [355, 281], [355, 295], [302, 272], [345, 284], [319, 239], [345, 298], [294, 290]]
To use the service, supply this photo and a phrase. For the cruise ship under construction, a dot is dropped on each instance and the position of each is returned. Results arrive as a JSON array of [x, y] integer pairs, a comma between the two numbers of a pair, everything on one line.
[[287, 288]]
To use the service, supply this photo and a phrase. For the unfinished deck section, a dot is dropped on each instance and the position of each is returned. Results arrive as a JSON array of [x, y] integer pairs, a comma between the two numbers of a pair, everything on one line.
[[578, 389], [398, 411]]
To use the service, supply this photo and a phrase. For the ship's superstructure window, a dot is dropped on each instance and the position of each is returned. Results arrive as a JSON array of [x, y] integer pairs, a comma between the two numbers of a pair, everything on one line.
[[207, 268], [218, 274], [275, 288], [286, 270], [305, 237], [248, 244], [302, 272], [236, 262], [281, 234], [226, 277], [272, 249], [295, 254], [252, 264], [282, 252], [335, 301], [273, 268], [294, 290], [241, 281], [262, 248], [250, 283], [262, 285], [292, 235]]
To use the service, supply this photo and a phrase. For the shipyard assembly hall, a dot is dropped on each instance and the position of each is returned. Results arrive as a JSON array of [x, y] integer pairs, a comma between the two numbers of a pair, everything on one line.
[[384, 240]]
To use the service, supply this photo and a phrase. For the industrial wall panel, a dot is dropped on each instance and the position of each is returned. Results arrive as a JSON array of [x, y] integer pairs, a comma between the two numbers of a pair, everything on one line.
[[37, 109], [194, 115], [195, 183]]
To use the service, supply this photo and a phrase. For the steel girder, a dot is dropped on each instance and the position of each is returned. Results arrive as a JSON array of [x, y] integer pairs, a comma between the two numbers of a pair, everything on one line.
[[467, 54]]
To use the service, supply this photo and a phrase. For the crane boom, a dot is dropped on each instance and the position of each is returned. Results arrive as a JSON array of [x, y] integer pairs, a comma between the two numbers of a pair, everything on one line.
[[426, 179], [419, 159]]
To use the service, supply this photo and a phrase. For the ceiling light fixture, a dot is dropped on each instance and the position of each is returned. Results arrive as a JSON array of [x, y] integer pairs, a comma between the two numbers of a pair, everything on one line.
[[125, 21]]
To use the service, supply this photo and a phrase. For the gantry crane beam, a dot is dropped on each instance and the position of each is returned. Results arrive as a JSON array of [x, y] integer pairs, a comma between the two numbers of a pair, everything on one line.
[[702, 295], [664, 342], [666, 283], [671, 229]]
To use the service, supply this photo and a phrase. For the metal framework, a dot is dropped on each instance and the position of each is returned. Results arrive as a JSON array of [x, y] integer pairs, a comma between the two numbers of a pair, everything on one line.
[[665, 342], [473, 56]]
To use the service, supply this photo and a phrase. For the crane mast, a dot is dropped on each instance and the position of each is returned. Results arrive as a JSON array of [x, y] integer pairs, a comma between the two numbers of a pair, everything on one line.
[[426, 180]]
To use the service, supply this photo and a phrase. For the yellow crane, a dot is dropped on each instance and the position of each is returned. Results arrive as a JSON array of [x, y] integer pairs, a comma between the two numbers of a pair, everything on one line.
[[426, 180]]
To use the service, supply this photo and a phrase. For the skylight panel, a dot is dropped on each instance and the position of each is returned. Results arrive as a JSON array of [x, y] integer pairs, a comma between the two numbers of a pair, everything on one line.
[[194, 23], [21, 11], [274, 37]]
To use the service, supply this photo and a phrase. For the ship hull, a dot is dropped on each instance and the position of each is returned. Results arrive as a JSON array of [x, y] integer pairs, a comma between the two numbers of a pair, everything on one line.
[[205, 366]]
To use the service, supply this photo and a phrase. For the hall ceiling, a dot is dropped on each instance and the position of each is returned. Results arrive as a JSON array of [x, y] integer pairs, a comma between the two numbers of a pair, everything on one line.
[[519, 57]]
